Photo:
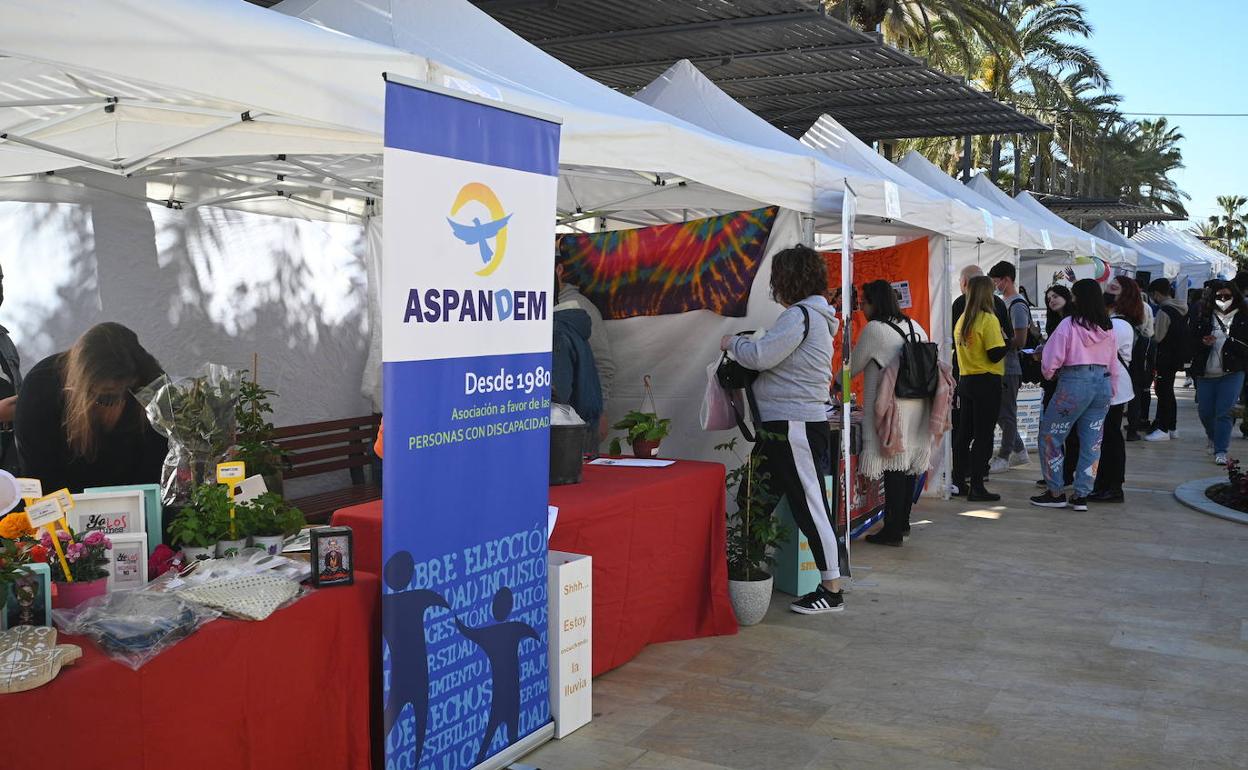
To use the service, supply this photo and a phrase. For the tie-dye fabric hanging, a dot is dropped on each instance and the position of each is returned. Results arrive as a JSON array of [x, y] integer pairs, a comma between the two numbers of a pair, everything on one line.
[[706, 264]]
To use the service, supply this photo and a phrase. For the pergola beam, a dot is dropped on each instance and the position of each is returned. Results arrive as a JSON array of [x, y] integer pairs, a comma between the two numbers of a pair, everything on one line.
[[682, 28], [734, 56]]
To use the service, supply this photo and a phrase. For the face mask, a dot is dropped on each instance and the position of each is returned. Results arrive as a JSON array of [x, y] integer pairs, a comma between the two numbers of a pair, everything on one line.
[[1223, 304]]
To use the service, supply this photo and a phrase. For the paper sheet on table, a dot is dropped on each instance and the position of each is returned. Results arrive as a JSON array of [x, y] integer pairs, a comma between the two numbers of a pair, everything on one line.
[[552, 515], [630, 462]]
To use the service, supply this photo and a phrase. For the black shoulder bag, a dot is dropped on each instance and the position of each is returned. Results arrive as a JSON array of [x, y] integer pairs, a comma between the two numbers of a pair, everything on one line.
[[733, 376]]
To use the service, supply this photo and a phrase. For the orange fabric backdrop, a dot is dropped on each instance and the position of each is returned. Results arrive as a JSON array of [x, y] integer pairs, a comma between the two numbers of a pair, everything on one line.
[[905, 263]]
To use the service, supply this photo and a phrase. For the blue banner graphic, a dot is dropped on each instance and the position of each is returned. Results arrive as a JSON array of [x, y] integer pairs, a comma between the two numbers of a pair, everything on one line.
[[467, 307]]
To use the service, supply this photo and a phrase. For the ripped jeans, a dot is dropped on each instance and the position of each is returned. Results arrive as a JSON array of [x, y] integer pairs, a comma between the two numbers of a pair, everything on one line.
[[1080, 403]]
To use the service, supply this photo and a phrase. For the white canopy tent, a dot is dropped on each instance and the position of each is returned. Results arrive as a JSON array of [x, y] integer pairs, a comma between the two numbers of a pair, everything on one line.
[[1197, 262], [1159, 265], [1121, 257], [1003, 229], [1053, 243]]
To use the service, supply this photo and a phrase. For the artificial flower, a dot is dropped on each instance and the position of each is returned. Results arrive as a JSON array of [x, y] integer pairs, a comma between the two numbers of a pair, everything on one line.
[[62, 535], [45, 539], [38, 553], [93, 538], [15, 525]]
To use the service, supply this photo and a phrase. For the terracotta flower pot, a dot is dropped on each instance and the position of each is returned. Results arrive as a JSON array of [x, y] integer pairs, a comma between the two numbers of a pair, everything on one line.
[[645, 449], [70, 595]]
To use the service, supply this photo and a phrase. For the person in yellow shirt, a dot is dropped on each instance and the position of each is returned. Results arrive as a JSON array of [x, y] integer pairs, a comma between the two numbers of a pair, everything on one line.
[[981, 362]]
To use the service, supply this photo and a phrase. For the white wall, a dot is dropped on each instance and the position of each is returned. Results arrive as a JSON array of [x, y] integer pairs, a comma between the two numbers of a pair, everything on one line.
[[205, 285]]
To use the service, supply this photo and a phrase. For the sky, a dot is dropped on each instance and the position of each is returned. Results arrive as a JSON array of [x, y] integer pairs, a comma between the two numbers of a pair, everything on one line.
[[1175, 56]]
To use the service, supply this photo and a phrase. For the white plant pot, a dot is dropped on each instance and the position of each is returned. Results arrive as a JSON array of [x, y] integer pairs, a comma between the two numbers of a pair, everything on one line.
[[227, 548], [272, 544], [750, 599], [193, 553]]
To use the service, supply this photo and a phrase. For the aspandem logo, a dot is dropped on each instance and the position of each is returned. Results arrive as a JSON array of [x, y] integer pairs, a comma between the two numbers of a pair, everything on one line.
[[480, 234], [479, 222]]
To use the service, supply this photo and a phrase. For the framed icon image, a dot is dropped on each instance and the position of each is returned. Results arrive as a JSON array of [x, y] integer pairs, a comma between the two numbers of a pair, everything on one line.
[[333, 563], [28, 600], [128, 568], [112, 513]]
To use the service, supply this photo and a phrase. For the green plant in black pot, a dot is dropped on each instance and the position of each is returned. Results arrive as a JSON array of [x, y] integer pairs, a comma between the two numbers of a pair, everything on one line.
[[256, 446], [646, 430], [269, 515], [204, 521], [754, 529]]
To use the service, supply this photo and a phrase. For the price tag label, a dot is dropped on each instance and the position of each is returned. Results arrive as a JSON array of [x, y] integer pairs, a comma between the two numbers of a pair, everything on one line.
[[44, 512], [230, 474], [65, 499], [31, 489]]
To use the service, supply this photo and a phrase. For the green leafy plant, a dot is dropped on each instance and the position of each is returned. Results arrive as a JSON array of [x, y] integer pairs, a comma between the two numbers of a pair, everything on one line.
[[640, 426], [269, 515], [197, 415], [754, 529], [205, 521], [256, 446]]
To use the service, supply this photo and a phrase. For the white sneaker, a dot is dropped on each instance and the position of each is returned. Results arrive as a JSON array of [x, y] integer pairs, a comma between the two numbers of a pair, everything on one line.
[[1019, 459], [1188, 382], [1220, 458], [1157, 435], [998, 465]]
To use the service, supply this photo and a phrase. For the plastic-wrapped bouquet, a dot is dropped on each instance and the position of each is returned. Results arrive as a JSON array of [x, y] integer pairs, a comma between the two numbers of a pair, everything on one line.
[[197, 415]]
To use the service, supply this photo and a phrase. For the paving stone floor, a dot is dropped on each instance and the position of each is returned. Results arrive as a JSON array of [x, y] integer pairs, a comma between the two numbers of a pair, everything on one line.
[[1002, 636]]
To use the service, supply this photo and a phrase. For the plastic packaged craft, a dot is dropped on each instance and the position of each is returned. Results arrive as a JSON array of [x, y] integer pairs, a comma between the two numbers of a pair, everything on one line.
[[134, 626], [251, 586], [196, 414]]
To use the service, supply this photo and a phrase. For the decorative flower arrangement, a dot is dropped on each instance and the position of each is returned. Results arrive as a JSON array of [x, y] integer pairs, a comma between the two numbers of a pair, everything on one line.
[[15, 526], [87, 556], [13, 558]]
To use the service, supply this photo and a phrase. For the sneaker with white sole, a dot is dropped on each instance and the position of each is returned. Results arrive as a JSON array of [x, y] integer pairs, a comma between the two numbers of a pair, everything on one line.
[[1157, 435], [819, 601], [999, 465], [1220, 458], [1079, 503], [1019, 459], [1049, 500]]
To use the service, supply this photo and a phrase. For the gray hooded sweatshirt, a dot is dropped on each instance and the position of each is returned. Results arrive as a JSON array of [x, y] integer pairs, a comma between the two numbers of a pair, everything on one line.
[[1161, 322], [795, 376]]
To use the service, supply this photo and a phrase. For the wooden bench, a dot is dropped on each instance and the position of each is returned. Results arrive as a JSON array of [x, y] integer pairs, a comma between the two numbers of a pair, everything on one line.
[[327, 447]]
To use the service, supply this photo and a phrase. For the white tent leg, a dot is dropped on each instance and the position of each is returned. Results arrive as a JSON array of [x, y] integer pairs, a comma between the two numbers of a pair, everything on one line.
[[370, 381], [808, 230]]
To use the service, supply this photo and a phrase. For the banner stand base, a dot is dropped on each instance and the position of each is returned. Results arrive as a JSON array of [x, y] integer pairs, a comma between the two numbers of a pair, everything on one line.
[[520, 748]]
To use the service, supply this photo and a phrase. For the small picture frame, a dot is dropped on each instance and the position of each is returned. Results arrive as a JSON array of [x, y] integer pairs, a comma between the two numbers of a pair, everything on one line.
[[29, 599], [113, 513], [127, 569], [332, 557]]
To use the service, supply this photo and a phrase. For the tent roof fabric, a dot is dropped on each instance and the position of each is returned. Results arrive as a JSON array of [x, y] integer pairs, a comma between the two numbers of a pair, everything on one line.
[[1158, 264], [1111, 252], [1003, 227], [1199, 261], [786, 60]]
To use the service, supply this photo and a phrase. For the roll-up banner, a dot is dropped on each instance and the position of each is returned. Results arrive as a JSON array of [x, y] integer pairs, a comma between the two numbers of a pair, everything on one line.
[[467, 302]]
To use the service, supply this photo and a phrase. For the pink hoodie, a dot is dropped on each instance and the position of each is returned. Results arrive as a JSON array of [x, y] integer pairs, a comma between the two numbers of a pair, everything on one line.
[[1072, 344]]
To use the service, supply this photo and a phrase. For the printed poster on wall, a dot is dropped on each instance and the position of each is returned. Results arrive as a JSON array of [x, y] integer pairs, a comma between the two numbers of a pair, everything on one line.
[[466, 303]]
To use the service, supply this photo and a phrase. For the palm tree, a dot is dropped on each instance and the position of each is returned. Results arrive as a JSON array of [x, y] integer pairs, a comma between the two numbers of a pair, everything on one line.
[[947, 32], [1230, 227]]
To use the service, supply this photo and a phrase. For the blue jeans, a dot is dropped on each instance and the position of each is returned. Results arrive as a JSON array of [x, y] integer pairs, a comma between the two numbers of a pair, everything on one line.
[[1215, 397], [1080, 403]]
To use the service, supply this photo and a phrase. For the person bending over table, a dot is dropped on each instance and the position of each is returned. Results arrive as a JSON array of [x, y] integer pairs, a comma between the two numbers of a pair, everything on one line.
[[78, 423], [794, 365]]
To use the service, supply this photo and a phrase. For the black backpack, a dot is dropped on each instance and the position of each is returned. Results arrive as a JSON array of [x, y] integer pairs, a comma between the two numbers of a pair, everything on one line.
[[733, 376], [1031, 367], [918, 373], [1175, 351], [1143, 358]]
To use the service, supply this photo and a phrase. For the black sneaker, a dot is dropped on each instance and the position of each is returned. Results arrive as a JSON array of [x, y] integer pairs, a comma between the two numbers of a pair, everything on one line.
[[1133, 436], [1079, 503], [1042, 483], [1107, 496], [1050, 500], [819, 601], [981, 495], [879, 539]]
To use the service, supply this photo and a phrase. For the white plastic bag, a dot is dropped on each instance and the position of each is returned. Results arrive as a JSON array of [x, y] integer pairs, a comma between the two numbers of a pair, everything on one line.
[[717, 412]]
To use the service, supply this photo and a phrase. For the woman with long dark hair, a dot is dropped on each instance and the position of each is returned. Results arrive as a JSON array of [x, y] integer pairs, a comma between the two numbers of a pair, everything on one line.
[[794, 364], [1220, 333], [1130, 300], [78, 424], [1126, 314], [1083, 353], [1058, 303], [981, 363], [879, 347]]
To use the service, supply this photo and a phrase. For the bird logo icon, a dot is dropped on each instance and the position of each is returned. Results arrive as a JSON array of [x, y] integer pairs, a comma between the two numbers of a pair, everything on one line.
[[478, 233]]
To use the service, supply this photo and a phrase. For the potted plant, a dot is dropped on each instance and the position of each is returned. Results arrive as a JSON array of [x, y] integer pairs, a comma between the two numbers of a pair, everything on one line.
[[270, 520], [198, 526], [754, 530], [87, 558], [256, 446], [646, 430]]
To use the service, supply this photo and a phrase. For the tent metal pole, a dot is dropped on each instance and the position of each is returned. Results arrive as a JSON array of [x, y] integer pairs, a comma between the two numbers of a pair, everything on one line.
[[130, 165], [231, 195], [808, 230], [324, 206], [231, 198], [40, 124], [340, 179], [97, 162], [847, 268], [55, 102], [205, 166]]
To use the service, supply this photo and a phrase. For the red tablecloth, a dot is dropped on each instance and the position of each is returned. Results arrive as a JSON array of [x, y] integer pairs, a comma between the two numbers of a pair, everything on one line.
[[658, 539], [295, 690]]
